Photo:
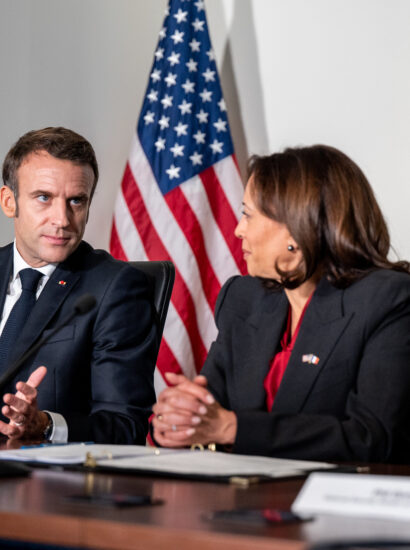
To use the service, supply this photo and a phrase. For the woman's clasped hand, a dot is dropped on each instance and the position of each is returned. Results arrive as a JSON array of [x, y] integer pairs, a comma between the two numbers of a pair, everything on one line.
[[187, 413]]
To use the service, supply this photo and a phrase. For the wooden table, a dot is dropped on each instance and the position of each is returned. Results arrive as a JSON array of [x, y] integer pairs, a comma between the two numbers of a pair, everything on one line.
[[36, 509]]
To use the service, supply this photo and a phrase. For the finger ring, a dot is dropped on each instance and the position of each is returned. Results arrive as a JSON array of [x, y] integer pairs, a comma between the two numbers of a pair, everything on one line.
[[159, 416], [173, 428]]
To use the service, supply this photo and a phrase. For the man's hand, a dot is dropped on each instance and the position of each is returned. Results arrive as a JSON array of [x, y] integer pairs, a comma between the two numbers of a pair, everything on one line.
[[187, 413], [26, 421]]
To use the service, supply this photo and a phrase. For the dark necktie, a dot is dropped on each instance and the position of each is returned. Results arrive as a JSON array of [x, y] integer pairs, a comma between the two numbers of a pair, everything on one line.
[[19, 314]]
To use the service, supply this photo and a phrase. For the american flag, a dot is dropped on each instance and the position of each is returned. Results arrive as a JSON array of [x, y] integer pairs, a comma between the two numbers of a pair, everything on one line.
[[181, 193]]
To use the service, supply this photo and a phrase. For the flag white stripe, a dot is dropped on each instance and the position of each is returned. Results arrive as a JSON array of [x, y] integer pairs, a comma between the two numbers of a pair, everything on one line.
[[176, 336], [127, 232], [230, 182], [159, 382], [172, 238], [217, 250]]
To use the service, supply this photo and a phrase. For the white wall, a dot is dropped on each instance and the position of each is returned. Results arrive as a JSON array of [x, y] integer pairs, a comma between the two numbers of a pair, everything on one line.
[[293, 72]]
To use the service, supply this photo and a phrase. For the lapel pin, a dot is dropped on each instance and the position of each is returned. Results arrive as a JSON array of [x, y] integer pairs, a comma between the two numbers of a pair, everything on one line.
[[310, 358], [62, 283]]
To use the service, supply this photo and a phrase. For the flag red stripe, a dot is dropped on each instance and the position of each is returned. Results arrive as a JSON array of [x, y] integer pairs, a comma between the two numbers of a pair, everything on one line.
[[155, 250], [115, 244], [166, 361], [223, 215], [189, 224], [235, 160]]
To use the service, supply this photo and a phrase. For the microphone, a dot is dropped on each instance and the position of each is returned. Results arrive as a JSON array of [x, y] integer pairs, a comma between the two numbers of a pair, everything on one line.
[[84, 304]]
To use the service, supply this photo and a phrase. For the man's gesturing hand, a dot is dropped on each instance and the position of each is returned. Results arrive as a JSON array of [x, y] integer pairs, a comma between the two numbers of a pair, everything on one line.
[[26, 421]]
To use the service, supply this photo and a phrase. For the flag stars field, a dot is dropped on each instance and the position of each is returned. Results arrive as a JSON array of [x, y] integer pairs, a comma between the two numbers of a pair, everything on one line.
[[185, 107], [194, 45], [164, 122], [196, 158], [181, 129], [178, 37], [202, 116], [170, 79], [209, 75], [149, 117], [199, 137], [198, 25], [181, 16], [156, 75], [206, 95], [167, 101], [189, 86], [221, 105], [153, 96], [160, 144], [220, 125], [173, 172], [174, 58], [216, 146], [177, 150], [192, 65]]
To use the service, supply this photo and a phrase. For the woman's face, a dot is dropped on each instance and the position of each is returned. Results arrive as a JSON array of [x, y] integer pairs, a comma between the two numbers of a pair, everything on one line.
[[264, 241]]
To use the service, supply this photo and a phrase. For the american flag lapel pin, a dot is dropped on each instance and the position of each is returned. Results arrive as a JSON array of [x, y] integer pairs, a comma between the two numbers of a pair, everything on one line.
[[62, 283], [310, 359]]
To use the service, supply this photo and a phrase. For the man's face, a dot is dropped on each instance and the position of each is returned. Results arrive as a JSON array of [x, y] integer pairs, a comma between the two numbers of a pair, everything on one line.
[[53, 203]]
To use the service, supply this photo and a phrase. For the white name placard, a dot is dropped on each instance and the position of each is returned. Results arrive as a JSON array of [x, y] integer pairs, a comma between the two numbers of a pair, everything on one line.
[[359, 495]]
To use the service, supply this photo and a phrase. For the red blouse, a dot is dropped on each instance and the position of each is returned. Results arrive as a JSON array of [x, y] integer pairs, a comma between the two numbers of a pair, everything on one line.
[[280, 360]]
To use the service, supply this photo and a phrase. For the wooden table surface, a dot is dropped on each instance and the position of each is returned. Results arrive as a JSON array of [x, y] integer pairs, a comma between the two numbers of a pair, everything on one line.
[[36, 509]]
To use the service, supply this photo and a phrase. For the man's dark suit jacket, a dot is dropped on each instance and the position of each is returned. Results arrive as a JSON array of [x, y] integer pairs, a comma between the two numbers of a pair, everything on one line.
[[353, 405], [100, 366]]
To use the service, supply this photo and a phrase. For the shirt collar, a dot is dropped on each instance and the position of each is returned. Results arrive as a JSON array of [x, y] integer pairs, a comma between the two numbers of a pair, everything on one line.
[[19, 264]]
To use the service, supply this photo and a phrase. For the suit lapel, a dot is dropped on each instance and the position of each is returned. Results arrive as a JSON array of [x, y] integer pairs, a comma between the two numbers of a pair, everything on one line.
[[258, 339], [6, 269], [321, 328], [50, 300]]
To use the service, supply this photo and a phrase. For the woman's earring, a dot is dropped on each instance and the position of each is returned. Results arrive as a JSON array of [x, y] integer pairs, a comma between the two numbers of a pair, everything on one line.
[[291, 248]]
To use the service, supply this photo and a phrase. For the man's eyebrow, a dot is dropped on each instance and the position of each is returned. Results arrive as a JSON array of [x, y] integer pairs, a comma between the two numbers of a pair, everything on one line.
[[40, 192], [80, 195]]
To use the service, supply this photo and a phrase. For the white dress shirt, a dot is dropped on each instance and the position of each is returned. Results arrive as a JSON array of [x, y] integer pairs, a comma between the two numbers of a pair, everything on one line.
[[60, 428]]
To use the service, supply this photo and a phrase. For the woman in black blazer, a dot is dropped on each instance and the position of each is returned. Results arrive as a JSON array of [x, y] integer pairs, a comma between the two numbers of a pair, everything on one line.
[[312, 359]]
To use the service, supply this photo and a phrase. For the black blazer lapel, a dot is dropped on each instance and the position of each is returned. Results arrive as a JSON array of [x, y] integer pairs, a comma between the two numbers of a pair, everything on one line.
[[321, 328], [6, 269], [257, 341], [56, 291]]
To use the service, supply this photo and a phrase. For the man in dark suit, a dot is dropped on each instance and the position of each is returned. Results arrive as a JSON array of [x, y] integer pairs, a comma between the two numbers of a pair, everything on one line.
[[97, 382]]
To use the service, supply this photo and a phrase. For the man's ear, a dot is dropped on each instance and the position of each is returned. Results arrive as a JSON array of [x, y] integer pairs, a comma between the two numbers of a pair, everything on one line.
[[8, 201]]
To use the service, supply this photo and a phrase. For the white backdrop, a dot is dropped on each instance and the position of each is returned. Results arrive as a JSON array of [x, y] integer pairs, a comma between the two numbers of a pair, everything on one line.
[[293, 72]]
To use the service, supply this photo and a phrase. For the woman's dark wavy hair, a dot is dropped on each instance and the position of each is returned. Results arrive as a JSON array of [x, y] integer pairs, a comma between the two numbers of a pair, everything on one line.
[[326, 202]]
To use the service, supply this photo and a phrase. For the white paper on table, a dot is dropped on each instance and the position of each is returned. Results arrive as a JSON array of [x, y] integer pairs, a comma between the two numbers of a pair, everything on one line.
[[71, 453], [370, 496], [213, 463], [172, 461]]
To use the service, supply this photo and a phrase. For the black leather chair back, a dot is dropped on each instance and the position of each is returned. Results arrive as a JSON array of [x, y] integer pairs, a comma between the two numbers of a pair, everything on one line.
[[162, 276]]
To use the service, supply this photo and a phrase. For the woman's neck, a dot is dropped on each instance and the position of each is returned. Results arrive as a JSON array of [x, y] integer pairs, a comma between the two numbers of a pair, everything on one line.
[[297, 299]]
